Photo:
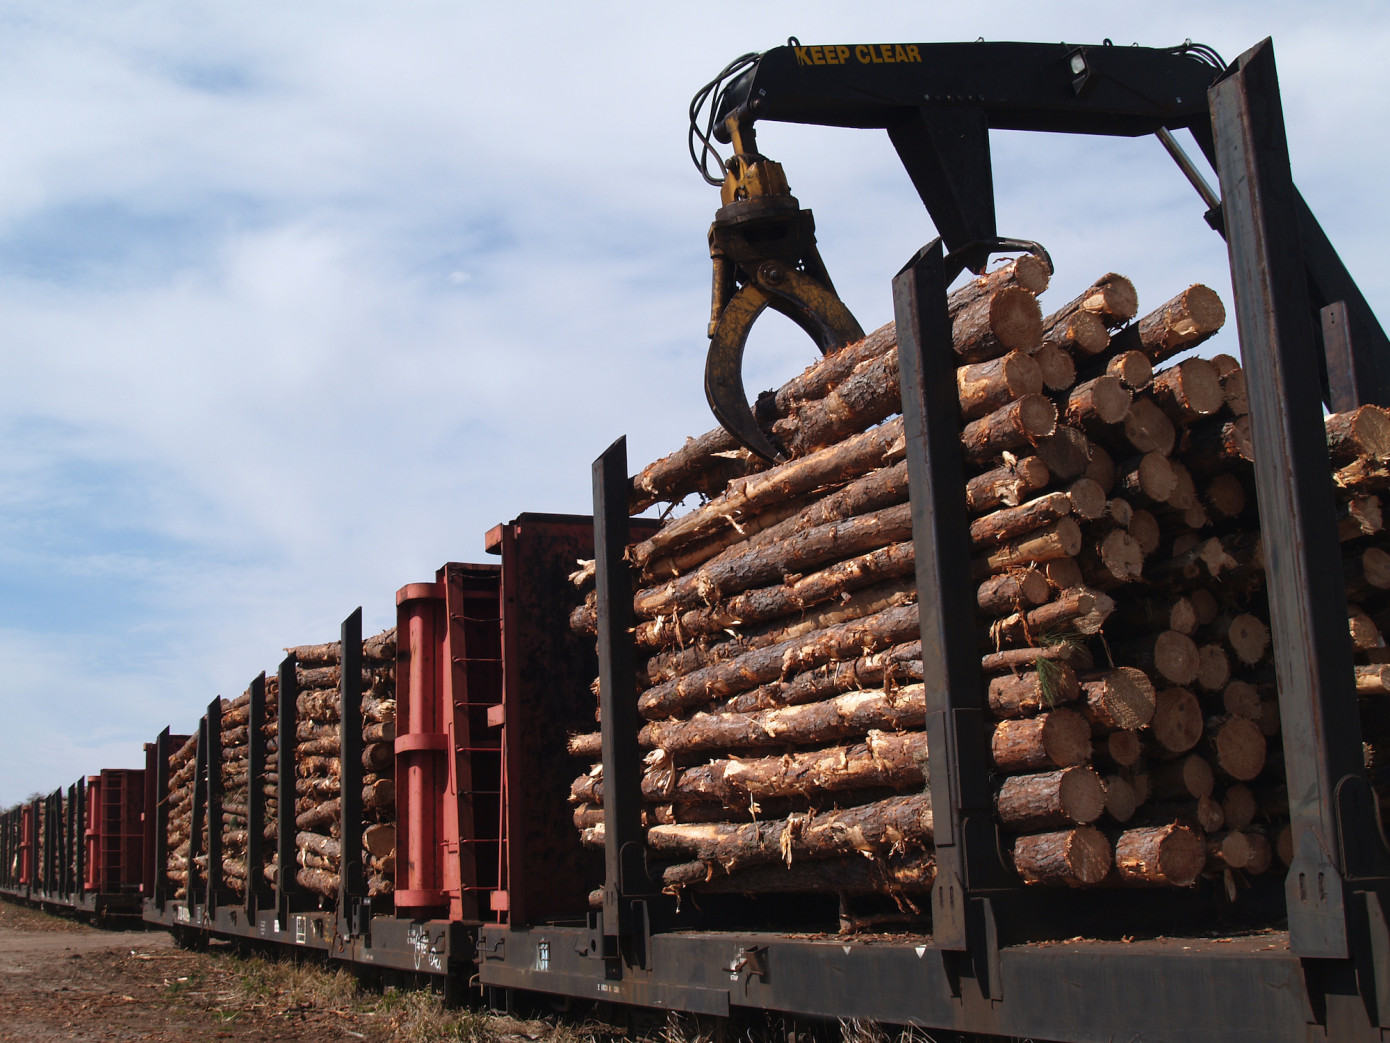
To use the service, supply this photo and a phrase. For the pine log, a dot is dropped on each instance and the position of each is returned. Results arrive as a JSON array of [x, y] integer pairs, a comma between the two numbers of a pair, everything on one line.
[[1008, 319], [1359, 516], [322, 815], [884, 759], [1057, 369], [1062, 574], [1361, 432], [986, 386], [1070, 653], [1115, 559], [897, 875], [319, 881], [1146, 480], [1012, 522], [768, 603], [1061, 539], [1187, 320], [1248, 637], [1098, 402], [1132, 368], [1173, 855], [1120, 800], [747, 497], [1007, 485], [1012, 591], [1188, 391], [1238, 807], [1186, 778], [1241, 699], [1067, 453], [868, 829], [1225, 495], [1234, 393], [1177, 720], [1148, 428], [1028, 271], [1071, 858], [1213, 668], [1237, 746], [1169, 655], [845, 716], [1373, 679], [1030, 692], [1117, 750], [1060, 738], [894, 665], [1023, 422], [379, 839], [760, 666], [1050, 800], [1087, 498], [1367, 572], [1111, 298], [1143, 526], [1079, 611], [1120, 699], [1219, 446], [1081, 333]]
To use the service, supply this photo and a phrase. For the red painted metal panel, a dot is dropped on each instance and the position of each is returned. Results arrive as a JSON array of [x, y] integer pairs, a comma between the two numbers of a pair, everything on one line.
[[448, 769], [91, 834], [114, 831]]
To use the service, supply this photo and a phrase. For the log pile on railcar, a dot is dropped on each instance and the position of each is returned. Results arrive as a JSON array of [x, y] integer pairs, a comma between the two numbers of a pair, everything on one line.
[[318, 782], [1123, 623]]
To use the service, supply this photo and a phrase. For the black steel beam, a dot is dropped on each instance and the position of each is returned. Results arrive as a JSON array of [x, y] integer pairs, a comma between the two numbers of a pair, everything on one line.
[[1312, 650], [198, 815], [965, 841], [160, 808], [213, 722], [256, 890], [352, 884], [286, 885], [624, 856], [77, 837]]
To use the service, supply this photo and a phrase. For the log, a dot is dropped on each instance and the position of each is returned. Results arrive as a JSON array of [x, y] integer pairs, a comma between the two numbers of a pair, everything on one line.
[[1012, 591], [870, 829], [1028, 271], [1225, 495], [768, 603], [1078, 611], [379, 839], [1248, 637], [1187, 320], [1023, 422], [1080, 333], [1120, 800], [324, 814], [1050, 800], [1367, 572], [1060, 738], [1111, 298], [845, 716], [899, 663], [1147, 427], [760, 666], [1062, 574], [1213, 668], [1115, 559], [1361, 432], [1186, 778], [1177, 720], [1143, 526], [1087, 498], [1098, 402], [1068, 454], [1071, 858], [1007, 485], [1120, 699], [1057, 369], [1238, 807], [892, 760], [1173, 855], [1237, 746], [1217, 447], [986, 386], [1012, 522], [1008, 319], [1070, 653], [747, 497], [325, 847], [1373, 679], [898, 875], [1030, 692], [1233, 391], [1061, 539], [1188, 391], [1168, 655], [1117, 750], [1146, 480], [319, 881], [1132, 368]]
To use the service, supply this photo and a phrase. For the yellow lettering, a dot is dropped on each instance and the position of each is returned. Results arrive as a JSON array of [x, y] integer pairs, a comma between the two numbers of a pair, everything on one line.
[[887, 50], [873, 56], [843, 52], [899, 53], [817, 56], [802, 57], [913, 54], [862, 53], [831, 58]]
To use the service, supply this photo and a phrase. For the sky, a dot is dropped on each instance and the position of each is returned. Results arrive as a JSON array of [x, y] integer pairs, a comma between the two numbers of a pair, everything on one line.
[[298, 300]]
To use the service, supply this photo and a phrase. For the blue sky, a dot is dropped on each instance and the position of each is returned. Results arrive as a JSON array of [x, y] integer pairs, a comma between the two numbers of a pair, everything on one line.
[[299, 300]]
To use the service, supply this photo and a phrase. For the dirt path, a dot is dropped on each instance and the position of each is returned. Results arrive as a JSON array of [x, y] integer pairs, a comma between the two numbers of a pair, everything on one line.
[[65, 981]]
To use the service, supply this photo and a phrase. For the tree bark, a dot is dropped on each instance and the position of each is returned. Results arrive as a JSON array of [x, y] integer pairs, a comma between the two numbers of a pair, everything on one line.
[[1071, 858], [1007, 485], [1122, 699], [1050, 800], [1187, 320], [1031, 692], [986, 386], [1188, 391], [1023, 422], [1060, 738], [1173, 855]]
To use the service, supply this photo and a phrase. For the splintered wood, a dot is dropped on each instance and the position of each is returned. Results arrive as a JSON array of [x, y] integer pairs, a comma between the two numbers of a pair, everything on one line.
[[1121, 612]]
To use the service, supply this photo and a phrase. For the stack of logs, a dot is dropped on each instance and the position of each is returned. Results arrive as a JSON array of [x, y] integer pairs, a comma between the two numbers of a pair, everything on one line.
[[182, 767], [318, 784], [236, 721], [1123, 624]]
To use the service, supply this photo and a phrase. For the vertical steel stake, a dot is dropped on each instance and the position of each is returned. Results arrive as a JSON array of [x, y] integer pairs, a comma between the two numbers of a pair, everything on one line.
[[352, 885], [255, 796]]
